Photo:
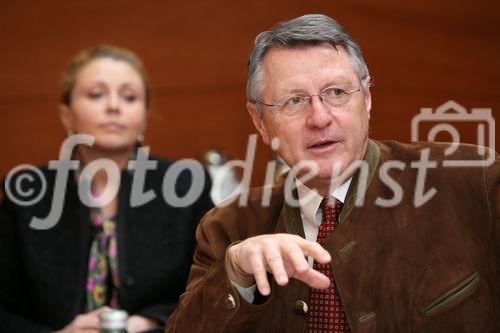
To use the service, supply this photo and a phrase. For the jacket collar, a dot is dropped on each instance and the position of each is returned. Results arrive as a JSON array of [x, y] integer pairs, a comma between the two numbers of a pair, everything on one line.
[[290, 220]]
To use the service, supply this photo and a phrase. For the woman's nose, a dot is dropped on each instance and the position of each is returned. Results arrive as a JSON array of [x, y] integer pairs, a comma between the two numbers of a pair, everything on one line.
[[113, 103]]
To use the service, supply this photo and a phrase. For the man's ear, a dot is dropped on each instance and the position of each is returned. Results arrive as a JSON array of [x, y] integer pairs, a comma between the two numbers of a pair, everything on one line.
[[368, 96], [66, 117], [258, 122]]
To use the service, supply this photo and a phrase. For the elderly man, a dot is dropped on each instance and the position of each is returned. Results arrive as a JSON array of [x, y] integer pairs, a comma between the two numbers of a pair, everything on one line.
[[384, 238]]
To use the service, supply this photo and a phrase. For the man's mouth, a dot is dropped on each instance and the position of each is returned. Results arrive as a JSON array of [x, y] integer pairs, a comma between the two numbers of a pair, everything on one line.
[[322, 144]]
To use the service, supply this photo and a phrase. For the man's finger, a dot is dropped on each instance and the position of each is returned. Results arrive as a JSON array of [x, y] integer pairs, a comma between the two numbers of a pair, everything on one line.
[[314, 279], [260, 274], [274, 260], [295, 257], [314, 250]]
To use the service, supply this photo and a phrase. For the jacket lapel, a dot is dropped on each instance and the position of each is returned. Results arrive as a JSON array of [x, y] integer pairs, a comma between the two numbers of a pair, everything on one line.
[[290, 221], [361, 180]]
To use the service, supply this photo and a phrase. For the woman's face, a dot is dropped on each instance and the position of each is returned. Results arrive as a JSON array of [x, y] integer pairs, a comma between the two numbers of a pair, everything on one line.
[[108, 103]]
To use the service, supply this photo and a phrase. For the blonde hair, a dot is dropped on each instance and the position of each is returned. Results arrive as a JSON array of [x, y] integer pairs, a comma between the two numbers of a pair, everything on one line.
[[98, 52]]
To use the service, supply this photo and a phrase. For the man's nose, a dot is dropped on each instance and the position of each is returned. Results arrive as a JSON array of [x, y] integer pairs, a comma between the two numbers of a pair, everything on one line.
[[318, 115]]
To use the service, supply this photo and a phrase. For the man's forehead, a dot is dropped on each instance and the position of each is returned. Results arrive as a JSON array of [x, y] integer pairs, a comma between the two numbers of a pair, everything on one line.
[[322, 62]]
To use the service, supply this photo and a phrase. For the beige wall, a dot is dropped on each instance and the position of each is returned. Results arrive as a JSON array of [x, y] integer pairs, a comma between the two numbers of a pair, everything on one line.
[[420, 55]]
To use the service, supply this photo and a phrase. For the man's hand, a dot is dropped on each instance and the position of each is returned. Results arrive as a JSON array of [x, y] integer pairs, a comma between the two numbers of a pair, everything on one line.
[[283, 255], [85, 323]]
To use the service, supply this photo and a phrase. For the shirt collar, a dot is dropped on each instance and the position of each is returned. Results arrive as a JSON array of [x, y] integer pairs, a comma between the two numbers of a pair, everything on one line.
[[310, 200]]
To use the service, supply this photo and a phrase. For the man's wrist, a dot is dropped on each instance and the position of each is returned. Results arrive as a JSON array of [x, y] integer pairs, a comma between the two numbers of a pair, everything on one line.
[[235, 274]]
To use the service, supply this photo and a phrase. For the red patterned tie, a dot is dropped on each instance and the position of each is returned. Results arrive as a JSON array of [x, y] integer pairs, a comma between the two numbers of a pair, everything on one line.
[[326, 313]]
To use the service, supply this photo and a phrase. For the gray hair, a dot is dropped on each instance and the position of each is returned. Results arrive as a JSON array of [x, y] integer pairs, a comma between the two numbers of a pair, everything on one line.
[[307, 30]]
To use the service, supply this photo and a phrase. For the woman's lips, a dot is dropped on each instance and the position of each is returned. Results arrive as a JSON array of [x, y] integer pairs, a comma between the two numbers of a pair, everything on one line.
[[112, 126]]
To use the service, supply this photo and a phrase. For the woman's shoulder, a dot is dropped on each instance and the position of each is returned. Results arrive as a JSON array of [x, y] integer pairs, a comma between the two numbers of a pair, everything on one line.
[[33, 176], [161, 162], [182, 172], [182, 167]]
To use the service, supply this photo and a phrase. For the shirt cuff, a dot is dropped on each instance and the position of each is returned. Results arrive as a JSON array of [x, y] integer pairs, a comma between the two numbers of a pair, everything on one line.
[[248, 294]]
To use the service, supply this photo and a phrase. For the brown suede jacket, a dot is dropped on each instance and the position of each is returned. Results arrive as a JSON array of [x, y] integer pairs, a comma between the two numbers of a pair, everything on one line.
[[430, 268]]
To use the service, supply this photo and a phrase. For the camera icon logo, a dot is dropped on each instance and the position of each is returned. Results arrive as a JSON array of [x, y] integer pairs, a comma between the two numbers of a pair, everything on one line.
[[453, 113]]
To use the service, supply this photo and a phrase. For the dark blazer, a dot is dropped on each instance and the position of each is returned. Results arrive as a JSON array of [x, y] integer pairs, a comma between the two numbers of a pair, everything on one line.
[[431, 268], [43, 272]]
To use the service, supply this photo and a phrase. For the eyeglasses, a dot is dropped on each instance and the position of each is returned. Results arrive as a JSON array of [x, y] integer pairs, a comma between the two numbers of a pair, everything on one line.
[[296, 104]]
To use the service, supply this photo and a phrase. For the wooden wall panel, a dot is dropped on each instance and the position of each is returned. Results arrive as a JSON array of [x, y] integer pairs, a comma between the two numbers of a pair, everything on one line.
[[420, 55]]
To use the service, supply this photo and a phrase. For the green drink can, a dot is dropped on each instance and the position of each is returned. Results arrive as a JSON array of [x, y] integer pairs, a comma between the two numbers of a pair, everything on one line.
[[113, 321]]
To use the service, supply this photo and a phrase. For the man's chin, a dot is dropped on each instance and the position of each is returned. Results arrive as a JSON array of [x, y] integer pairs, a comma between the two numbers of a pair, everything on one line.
[[336, 171]]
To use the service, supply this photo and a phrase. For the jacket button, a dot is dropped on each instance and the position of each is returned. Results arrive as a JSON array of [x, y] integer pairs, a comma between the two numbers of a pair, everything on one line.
[[129, 281], [301, 307], [230, 303]]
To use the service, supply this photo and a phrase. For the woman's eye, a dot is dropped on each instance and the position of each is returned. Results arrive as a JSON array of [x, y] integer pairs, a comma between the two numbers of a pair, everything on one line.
[[130, 98], [95, 94]]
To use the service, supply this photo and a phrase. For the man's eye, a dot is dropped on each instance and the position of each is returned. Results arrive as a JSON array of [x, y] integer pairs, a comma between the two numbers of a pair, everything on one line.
[[333, 92], [294, 100]]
